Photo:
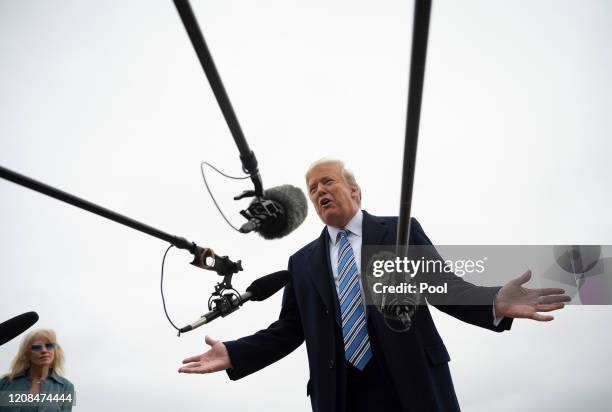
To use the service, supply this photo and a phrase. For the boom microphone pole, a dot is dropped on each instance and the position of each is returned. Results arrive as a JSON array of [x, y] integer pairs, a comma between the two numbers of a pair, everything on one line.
[[420, 31], [202, 256], [392, 307], [247, 157]]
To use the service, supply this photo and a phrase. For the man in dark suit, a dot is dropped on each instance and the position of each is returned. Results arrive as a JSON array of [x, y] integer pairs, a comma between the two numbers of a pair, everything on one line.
[[356, 362]]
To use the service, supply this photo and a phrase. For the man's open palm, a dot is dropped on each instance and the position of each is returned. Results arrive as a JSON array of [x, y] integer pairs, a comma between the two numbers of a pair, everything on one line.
[[214, 360], [515, 301]]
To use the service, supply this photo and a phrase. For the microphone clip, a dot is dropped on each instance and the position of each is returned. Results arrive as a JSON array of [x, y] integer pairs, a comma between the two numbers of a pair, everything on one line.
[[206, 258], [224, 296], [259, 212], [224, 300]]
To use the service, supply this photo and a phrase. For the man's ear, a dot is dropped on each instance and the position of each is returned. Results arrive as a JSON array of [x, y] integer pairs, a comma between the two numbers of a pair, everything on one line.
[[356, 192]]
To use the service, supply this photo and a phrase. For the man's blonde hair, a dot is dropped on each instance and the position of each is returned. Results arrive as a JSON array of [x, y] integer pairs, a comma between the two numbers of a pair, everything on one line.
[[348, 175]]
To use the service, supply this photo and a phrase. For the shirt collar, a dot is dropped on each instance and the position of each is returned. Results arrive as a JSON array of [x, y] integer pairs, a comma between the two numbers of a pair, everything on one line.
[[51, 375], [354, 226], [54, 376]]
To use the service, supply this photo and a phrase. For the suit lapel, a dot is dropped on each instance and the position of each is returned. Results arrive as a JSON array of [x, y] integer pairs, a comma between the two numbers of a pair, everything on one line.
[[320, 271], [374, 231]]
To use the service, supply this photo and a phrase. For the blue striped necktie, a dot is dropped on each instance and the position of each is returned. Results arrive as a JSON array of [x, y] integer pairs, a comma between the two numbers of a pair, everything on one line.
[[354, 328]]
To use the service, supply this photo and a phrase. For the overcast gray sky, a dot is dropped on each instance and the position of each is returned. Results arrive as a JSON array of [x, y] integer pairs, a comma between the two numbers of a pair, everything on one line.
[[106, 100]]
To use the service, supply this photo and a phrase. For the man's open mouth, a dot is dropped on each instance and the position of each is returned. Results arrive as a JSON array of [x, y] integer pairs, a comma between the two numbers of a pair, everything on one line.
[[324, 202]]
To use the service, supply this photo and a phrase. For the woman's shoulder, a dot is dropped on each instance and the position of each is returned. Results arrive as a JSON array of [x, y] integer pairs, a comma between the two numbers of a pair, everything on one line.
[[7, 383]]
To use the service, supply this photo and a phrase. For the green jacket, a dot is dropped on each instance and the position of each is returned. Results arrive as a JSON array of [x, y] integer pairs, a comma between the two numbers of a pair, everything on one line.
[[19, 387]]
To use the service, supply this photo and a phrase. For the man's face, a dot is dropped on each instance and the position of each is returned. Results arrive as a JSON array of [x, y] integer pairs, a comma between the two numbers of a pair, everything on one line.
[[335, 201]]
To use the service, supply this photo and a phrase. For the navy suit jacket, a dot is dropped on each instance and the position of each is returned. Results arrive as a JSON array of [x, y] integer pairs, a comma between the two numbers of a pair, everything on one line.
[[416, 361]]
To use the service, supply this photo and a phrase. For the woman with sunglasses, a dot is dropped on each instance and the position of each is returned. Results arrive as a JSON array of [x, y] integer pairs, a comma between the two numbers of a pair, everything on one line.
[[36, 370]]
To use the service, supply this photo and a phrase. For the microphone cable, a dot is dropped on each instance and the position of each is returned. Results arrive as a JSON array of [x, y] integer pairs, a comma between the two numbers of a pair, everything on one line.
[[211, 194], [162, 292], [161, 286]]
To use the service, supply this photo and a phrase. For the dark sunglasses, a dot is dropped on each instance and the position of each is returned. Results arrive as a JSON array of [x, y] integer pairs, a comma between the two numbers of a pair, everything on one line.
[[37, 347]]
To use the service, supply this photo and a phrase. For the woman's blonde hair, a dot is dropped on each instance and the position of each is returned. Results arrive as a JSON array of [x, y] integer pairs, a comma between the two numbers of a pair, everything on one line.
[[21, 361]]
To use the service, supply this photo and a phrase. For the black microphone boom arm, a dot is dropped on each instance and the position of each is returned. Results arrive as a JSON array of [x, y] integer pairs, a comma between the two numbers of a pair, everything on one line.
[[420, 31], [405, 308], [247, 156], [221, 265]]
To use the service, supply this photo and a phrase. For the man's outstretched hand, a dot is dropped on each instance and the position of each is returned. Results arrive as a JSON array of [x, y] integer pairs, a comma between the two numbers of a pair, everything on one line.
[[214, 360], [515, 301]]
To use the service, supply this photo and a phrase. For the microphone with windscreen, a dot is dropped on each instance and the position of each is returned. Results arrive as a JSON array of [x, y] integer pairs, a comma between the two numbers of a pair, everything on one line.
[[16, 326], [277, 213], [260, 289]]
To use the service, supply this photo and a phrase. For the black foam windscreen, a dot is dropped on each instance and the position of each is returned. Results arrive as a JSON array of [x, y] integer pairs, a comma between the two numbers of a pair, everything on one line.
[[17, 325], [268, 285], [295, 206]]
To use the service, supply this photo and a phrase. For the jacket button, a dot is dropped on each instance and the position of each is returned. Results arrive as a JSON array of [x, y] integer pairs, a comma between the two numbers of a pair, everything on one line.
[[326, 312], [331, 364]]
